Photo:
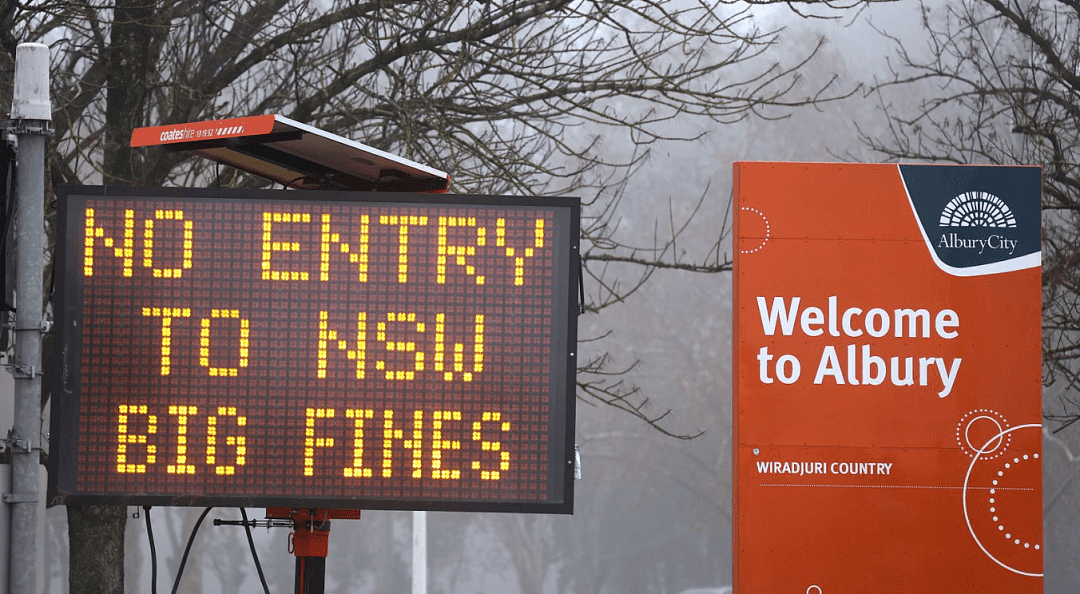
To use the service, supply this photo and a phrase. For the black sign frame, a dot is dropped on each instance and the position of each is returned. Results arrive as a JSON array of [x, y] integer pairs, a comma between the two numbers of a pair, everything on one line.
[[70, 402]]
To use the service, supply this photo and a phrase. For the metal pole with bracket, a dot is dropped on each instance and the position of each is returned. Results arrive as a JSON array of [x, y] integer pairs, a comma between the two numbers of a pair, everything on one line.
[[31, 117]]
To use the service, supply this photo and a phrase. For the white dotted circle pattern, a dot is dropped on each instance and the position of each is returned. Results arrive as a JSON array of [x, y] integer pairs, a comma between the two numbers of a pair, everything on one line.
[[997, 444], [993, 501], [768, 229], [984, 416]]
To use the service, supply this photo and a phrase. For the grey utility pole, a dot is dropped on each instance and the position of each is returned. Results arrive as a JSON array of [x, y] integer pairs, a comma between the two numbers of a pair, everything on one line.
[[419, 552], [31, 116]]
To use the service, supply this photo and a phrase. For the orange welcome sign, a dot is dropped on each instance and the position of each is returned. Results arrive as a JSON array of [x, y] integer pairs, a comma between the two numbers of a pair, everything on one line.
[[887, 380]]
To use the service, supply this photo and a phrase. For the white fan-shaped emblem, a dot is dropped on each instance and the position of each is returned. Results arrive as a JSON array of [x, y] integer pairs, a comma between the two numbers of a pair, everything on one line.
[[977, 209]]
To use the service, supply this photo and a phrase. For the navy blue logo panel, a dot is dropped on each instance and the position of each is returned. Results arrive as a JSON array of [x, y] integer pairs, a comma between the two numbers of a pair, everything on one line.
[[976, 216]]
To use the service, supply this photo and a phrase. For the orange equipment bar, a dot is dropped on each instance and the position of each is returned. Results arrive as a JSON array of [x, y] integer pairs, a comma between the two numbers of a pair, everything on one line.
[[294, 154]]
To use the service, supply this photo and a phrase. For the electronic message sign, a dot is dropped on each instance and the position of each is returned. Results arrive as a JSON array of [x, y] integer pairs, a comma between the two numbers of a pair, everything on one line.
[[887, 401], [315, 349]]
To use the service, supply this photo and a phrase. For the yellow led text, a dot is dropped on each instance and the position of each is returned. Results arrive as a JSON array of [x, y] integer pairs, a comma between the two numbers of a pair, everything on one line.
[[416, 439], [126, 438], [402, 333], [269, 245], [403, 222], [326, 231], [358, 469], [519, 256], [461, 253], [238, 442], [438, 444], [182, 413], [329, 337], [148, 243], [311, 441], [413, 442], [457, 363], [423, 444], [491, 446], [204, 342], [359, 257], [400, 346], [125, 252], [166, 314]]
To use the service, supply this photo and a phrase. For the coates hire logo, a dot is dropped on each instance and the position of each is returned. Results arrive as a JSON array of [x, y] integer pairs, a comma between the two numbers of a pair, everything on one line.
[[977, 220], [178, 134]]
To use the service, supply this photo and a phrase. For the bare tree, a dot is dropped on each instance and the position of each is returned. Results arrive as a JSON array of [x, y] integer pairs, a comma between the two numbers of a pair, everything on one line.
[[1002, 85], [1002, 81], [510, 96]]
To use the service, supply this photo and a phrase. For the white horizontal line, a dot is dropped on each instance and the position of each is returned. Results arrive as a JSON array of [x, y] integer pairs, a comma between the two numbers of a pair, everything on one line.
[[896, 487]]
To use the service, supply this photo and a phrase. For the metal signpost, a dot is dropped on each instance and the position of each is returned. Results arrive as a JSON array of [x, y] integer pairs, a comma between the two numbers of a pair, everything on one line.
[[31, 116]]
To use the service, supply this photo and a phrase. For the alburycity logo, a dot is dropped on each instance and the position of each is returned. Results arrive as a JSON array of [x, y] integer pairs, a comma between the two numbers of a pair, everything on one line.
[[980, 210]]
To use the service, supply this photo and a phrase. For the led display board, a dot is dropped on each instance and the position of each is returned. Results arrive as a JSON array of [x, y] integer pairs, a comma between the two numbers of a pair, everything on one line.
[[887, 401], [315, 349]]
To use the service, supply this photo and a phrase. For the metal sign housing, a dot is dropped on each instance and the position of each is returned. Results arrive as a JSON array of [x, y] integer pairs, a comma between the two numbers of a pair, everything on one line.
[[316, 349]]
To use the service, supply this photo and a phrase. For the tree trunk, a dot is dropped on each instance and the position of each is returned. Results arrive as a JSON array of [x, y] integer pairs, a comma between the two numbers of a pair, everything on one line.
[[138, 32], [96, 548], [96, 532]]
